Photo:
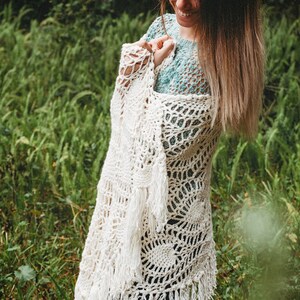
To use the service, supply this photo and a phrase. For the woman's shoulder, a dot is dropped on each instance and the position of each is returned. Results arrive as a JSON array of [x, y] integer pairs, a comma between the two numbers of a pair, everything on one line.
[[156, 28]]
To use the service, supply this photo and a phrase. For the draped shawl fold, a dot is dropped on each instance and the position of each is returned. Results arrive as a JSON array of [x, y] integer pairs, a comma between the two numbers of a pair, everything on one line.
[[134, 182]]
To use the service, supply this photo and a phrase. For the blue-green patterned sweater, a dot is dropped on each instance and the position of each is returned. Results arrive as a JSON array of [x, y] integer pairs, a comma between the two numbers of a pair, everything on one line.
[[184, 74]]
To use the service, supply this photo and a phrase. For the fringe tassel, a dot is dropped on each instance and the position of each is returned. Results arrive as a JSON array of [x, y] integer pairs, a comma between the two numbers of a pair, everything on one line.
[[101, 288], [194, 292], [128, 263], [158, 194], [207, 282]]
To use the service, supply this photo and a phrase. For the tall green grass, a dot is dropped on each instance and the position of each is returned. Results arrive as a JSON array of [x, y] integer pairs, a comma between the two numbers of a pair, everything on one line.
[[56, 82]]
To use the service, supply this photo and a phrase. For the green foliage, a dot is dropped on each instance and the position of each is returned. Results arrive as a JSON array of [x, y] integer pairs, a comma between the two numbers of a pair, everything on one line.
[[89, 12], [56, 81], [25, 273], [56, 84]]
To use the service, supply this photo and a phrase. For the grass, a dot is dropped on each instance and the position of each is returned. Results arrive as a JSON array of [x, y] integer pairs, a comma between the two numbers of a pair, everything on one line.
[[55, 87]]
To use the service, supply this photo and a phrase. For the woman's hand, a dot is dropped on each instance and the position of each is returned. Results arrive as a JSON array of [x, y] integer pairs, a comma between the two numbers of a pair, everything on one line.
[[161, 47], [132, 62]]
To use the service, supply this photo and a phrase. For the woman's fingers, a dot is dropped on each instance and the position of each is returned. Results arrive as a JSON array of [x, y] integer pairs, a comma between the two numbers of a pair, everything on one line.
[[163, 52], [158, 43], [168, 45], [161, 47], [144, 44], [154, 44]]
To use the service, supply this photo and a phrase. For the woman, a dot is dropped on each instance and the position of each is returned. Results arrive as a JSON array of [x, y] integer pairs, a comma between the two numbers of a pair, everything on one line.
[[194, 74]]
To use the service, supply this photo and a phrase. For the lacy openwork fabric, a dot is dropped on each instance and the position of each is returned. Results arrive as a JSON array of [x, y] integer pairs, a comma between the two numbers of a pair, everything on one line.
[[151, 236]]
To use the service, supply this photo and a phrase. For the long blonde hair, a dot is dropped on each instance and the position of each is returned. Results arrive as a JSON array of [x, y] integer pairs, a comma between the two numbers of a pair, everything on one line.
[[231, 53]]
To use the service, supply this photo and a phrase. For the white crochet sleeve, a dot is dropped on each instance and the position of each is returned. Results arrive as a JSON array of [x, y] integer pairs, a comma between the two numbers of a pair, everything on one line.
[[133, 63]]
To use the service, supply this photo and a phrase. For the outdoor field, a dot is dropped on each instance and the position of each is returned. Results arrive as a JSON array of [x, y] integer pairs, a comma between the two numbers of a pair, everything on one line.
[[58, 68]]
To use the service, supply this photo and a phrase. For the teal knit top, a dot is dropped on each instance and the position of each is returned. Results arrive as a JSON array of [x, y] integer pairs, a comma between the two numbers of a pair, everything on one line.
[[184, 74]]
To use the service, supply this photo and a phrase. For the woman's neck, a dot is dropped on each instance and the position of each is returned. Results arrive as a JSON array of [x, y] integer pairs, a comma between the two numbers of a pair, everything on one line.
[[187, 33]]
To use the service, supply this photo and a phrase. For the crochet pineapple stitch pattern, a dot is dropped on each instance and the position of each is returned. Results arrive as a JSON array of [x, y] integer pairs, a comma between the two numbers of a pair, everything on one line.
[[150, 236]]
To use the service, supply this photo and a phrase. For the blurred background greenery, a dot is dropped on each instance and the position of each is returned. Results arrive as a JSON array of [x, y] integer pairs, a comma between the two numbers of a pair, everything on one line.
[[59, 62], [67, 11]]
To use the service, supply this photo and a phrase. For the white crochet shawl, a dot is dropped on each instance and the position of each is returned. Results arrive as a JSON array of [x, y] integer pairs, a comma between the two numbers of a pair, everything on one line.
[[134, 181]]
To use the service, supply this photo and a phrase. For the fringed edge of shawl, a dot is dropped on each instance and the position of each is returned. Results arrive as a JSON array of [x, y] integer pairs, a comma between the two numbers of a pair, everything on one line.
[[128, 263], [158, 190], [158, 193], [202, 287]]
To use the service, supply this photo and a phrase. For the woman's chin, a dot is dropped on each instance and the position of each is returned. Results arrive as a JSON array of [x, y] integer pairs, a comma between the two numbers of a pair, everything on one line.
[[189, 21], [185, 23]]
